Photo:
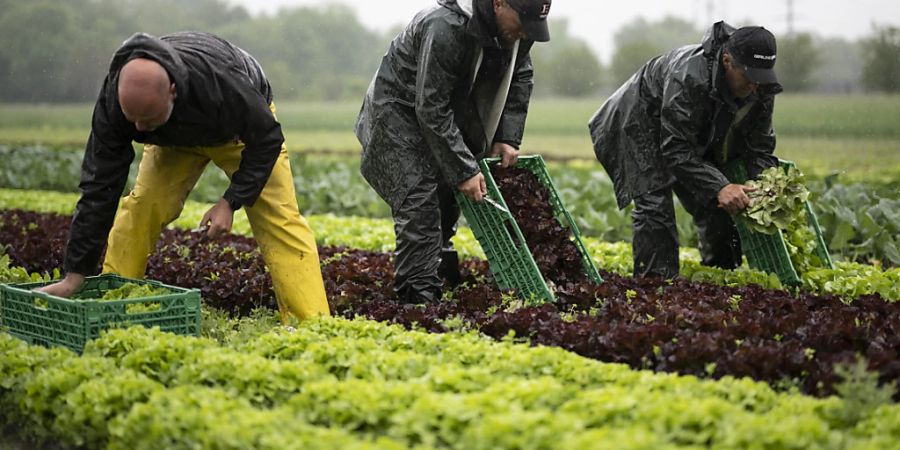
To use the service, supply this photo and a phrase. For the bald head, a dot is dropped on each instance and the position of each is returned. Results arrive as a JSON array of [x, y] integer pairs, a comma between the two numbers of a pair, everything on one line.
[[146, 94]]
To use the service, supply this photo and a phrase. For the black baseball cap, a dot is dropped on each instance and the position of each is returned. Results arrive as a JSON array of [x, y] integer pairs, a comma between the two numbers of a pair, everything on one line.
[[533, 15], [753, 48]]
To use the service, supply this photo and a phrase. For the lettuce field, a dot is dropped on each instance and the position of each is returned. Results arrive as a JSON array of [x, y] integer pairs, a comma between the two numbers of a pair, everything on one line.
[[712, 359]]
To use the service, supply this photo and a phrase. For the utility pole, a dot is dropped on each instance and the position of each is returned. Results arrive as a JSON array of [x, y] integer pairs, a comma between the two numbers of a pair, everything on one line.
[[790, 17]]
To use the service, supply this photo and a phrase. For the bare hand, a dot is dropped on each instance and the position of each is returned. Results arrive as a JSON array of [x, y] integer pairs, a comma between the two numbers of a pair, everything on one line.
[[733, 197], [474, 188], [64, 288], [218, 220], [507, 153]]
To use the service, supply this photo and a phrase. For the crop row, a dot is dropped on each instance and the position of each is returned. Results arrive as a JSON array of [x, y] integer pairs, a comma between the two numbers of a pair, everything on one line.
[[334, 383], [847, 280], [860, 221], [679, 326]]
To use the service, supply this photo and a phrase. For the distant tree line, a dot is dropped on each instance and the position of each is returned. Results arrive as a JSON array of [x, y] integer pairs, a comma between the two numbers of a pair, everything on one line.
[[805, 62], [58, 51]]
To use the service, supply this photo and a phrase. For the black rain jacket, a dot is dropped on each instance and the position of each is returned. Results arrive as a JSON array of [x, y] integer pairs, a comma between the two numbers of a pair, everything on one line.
[[427, 109], [222, 96], [672, 119]]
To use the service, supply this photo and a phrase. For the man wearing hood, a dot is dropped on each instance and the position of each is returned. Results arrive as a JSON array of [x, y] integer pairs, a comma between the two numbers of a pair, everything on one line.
[[673, 127], [453, 87], [190, 98]]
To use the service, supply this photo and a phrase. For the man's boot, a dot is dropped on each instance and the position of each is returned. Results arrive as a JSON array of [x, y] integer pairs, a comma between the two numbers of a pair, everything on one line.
[[418, 297], [449, 268]]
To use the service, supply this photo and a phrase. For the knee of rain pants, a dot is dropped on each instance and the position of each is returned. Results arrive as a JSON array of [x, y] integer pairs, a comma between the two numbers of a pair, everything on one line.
[[720, 244], [655, 236], [450, 211], [165, 177], [424, 224]]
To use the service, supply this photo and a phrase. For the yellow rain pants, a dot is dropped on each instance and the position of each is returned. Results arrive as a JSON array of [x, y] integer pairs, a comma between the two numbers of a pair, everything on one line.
[[165, 178]]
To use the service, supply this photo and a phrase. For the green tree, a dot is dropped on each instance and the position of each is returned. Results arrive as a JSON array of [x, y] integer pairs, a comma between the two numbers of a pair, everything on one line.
[[59, 51], [98, 31], [168, 16], [839, 65], [629, 57], [314, 53], [797, 57], [639, 40], [36, 38], [881, 69], [565, 66]]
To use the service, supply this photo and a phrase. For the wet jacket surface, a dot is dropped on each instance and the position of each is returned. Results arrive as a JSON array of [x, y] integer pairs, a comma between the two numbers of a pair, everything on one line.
[[671, 120], [222, 96], [421, 112]]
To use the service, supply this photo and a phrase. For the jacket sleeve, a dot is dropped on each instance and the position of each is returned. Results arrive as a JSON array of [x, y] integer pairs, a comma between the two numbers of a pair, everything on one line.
[[760, 141], [439, 58], [679, 147], [512, 123], [263, 139], [104, 173]]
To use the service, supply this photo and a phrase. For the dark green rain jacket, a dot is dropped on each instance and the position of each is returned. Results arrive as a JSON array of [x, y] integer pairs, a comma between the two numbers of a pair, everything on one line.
[[426, 109], [672, 120], [222, 96]]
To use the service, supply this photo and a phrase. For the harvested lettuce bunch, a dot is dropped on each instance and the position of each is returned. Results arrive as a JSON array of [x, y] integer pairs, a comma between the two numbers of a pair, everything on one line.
[[778, 201]]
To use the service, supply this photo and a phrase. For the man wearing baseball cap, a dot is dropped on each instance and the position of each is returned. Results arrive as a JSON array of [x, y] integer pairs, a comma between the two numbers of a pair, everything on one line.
[[674, 126], [453, 87]]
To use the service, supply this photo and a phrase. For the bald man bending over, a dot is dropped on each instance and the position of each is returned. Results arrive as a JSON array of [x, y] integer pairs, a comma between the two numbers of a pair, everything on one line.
[[190, 98]]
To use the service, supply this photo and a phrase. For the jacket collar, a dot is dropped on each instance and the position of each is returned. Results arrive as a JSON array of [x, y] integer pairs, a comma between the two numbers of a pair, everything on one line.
[[715, 37], [720, 90], [481, 25]]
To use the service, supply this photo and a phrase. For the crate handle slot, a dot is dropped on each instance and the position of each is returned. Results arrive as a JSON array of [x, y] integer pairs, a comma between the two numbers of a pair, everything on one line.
[[41, 297]]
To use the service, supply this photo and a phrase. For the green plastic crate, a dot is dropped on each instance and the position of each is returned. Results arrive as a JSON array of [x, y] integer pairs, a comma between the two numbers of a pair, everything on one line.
[[499, 235], [768, 252], [71, 323]]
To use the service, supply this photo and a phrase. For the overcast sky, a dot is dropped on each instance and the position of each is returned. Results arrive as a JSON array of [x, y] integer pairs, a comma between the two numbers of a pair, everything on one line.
[[596, 20]]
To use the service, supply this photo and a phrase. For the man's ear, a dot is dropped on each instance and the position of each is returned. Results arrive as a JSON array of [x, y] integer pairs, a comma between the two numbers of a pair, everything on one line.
[[173, 91], [726, 60]]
